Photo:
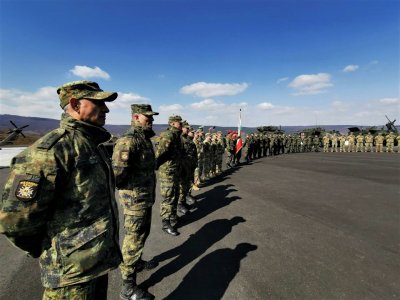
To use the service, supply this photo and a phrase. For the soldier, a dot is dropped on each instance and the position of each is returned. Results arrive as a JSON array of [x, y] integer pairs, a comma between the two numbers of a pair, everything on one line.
[[198, 141], [316, 143], [220, 152], [334, 143], [398, 143], [379, 142], [369, 139], [134, 169], [168, 155], [351, 142], [189, 162], [390, 142], [230, 149], [58, 202], [207, 155], [326, 141], [360, 143]]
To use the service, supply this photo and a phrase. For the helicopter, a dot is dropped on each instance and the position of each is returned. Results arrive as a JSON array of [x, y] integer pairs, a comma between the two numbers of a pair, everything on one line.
[[390, 127], [13, 134]]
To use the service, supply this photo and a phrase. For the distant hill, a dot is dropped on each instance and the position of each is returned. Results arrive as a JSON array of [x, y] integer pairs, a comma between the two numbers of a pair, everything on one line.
[[41, 126]]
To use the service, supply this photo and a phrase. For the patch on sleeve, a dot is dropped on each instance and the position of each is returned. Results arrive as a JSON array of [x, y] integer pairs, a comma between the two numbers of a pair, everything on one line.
[[124, 156], [26, 190]]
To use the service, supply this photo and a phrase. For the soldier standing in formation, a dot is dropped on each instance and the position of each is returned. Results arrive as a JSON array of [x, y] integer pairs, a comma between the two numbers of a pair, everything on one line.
[[334, 143], [316, 143], [351, 139], [198, 141], [379, 142], [207, 156], [390, 142], [134, 169], [58, 202], [168, 155], [326, 142], [220, 151], [189, 164], [369, 139], [360, 143]]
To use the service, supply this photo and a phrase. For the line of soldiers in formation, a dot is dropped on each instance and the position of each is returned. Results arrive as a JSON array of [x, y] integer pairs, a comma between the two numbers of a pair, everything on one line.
[[58, 203]]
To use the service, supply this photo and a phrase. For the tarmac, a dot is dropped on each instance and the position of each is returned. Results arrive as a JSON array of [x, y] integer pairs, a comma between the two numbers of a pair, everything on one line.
[[296, 226]]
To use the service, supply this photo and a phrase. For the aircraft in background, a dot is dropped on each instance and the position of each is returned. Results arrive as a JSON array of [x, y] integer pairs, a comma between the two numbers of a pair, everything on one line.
[[13, 134]]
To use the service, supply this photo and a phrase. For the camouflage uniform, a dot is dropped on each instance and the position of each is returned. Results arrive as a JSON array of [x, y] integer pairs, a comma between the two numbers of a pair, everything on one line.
[[198, 141], [230, 150], [220, 152], [189, 163], [379, 142], [207, 156], [369, 139], [134, 169], [316, 143], [168, 154], [390, 142], [352, 140], [213, 158], [326, 140], [360, 143], [58, 203], [334, 143]]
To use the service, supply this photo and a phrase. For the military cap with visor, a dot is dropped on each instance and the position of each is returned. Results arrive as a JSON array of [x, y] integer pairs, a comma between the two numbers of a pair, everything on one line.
[[83, 89], [174, 118], [143, 109]]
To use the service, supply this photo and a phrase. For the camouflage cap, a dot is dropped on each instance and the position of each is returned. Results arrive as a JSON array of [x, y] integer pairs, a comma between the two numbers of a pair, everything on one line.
[[143, 109], [83, 89], [174, 118], [185, 124]]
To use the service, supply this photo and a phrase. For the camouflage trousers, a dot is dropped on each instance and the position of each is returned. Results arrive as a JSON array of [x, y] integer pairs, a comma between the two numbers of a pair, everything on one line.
[[326, 147], [334, 147], [368, 147], [95, 289], [389, 147], [185, 183], [360, 147], [379, 148], [169, 190], [229, 158], [207, 167], [198, 172], [137, 228], [219, 162]]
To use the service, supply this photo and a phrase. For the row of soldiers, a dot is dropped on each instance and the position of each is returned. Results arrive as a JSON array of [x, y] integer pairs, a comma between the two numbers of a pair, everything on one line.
[[360, 142]]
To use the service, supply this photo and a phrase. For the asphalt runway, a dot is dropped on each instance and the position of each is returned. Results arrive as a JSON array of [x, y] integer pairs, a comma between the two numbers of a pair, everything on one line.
[[297, 226]]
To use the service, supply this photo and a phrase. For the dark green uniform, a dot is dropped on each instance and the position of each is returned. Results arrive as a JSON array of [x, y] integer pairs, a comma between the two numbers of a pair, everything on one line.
[[58, 204], [134, 165]]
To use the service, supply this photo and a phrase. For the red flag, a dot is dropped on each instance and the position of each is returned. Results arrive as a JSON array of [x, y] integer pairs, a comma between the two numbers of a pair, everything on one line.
[[239, 144]]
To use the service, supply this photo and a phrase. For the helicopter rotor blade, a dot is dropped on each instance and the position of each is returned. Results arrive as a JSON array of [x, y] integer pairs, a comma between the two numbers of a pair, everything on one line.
[[13, 124], [22, 134]]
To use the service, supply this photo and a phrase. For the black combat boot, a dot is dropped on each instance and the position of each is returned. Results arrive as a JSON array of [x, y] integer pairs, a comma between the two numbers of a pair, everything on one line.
[[145, 265], [130, 291], [182, 208], [190, 200], [168, 228]]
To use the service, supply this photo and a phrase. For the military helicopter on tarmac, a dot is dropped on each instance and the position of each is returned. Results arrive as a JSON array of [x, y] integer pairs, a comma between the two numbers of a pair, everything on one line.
[[13, 134], [390, 127]]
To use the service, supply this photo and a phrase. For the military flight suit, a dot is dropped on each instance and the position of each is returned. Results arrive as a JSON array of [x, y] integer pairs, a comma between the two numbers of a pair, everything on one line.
[[168, 154], [58, 204], [134, 169]]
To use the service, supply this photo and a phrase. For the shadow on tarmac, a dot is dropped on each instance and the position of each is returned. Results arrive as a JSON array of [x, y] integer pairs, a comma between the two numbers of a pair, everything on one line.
[[211, 276], [193, 247]]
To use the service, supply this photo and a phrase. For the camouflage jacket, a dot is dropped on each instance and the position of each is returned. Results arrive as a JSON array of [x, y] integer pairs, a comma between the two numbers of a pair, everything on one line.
[[199, 147], [189, 158], [134, 169], [59, 204], [169, 151]]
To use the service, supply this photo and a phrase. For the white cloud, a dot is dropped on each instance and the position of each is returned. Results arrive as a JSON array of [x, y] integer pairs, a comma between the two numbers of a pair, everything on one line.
[[265, 106], [350, 68], [173, 108], [280, 80], [207, 104], [340, 105], [42, 103], [311, 84], [125, 100], [389, 101], [203, 89], [87, 72]]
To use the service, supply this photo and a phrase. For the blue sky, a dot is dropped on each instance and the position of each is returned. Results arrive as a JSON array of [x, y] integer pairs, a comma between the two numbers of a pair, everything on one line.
[[281, 62]]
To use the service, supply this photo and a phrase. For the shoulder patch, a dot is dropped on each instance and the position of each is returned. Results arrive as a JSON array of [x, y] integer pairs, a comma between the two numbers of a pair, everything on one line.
[[51, 138], [124, 155], [27, 188]]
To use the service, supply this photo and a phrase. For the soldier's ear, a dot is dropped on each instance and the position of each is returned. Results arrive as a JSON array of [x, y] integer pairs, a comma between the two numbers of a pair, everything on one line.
[[75, 104]]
